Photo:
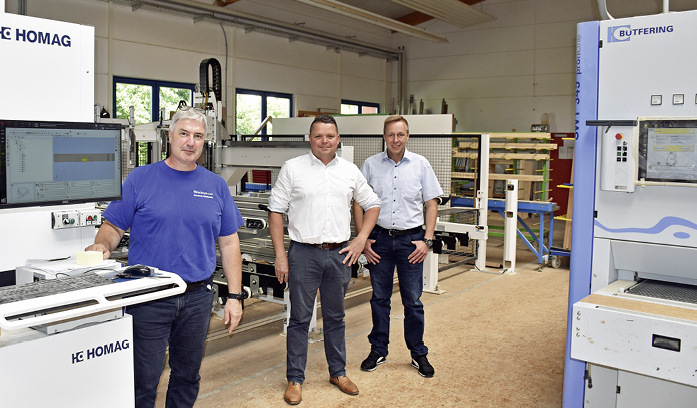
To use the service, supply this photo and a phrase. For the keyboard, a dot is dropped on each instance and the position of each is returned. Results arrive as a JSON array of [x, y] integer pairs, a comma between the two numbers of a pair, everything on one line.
[[47, 287]]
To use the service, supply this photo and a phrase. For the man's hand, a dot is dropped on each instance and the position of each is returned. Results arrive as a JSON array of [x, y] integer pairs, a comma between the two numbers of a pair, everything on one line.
[[419, 253], [233, 314], [281, 268], [100, 248], [354, 250], [108, 236], [370, 255]]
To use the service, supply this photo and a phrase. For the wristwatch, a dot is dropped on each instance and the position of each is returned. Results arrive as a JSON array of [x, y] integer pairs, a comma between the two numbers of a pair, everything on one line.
[[238, 296], [429, 242]]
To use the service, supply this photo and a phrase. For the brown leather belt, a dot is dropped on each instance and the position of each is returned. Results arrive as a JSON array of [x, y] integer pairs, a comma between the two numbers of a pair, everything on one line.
[[327, 246]]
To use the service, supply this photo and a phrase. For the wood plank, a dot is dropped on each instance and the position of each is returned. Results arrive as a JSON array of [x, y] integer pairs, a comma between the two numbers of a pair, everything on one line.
[[504, 156], [509, 135], [458, 175], [510, 145], [641, 306]]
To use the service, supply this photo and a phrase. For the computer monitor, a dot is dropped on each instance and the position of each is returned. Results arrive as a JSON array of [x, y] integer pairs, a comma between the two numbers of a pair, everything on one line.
[[51, 163], [668, 150]]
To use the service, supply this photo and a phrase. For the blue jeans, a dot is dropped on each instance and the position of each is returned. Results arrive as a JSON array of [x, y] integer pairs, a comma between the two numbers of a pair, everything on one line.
[[181, 321], [311, 269], [394, 252]]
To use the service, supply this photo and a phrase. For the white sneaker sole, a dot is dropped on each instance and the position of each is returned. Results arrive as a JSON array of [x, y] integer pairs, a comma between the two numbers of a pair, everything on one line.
[[416, 365], [380, 361]]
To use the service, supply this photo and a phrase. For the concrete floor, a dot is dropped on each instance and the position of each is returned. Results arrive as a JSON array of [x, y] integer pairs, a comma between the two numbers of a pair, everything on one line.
[[495, 340]]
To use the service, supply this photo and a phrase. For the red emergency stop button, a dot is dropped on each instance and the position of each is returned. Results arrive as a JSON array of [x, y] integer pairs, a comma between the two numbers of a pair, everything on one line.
[[619, 136]]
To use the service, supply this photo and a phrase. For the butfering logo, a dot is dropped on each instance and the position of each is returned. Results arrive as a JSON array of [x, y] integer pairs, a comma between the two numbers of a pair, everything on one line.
[[625, 33], [35, 37]]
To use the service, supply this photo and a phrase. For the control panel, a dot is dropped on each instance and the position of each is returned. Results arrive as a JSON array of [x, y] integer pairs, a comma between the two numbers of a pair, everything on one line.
[[65, 219], [90, 218], [75, 218], [618, 171]]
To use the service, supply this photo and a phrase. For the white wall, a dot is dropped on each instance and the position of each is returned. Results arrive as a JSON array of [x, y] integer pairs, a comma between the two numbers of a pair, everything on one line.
[[507, 74], [149, 45], [499, 76]]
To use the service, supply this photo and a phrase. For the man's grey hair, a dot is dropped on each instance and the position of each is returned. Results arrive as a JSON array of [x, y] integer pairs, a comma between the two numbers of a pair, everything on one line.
[[188, 112]]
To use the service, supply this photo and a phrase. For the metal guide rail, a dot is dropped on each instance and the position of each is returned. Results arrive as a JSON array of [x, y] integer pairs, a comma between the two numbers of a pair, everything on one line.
[[77, 303]]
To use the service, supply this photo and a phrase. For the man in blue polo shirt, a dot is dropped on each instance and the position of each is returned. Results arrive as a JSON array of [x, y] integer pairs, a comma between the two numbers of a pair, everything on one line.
[[176, 210]]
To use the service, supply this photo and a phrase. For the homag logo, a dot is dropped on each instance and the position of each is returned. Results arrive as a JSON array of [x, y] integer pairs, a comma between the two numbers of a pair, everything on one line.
[[35, 37], [624, 33]]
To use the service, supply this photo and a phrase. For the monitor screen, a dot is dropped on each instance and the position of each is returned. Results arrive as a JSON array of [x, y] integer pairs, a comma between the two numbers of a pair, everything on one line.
[[668, 150], [50, 163]]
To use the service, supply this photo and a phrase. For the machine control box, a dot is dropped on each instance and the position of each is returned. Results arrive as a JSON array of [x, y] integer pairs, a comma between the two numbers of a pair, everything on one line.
[[617, 151], [65, 219], [90, 218], [75, 218]]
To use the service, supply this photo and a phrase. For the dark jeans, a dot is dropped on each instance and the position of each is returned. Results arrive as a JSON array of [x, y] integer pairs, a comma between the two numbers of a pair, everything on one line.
[[311, 269], [182, 322], [393, 253]]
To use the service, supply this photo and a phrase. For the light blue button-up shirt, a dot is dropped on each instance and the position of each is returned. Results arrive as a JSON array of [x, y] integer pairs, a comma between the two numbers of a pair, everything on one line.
[[403, 187]]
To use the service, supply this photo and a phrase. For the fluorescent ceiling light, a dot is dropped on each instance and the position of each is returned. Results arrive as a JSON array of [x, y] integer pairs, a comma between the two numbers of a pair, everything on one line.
[[451, 11], [373, 18]]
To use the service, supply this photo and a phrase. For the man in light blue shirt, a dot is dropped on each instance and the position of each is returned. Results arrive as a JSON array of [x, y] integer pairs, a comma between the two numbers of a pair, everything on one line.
[[405, 183]]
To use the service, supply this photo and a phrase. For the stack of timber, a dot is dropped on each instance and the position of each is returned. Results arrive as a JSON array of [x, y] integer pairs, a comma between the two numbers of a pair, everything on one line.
[[521, 156]]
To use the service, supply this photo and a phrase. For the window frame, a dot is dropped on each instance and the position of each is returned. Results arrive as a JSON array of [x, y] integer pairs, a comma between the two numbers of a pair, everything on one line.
[[155, 97], [264, 95], [361, 105]]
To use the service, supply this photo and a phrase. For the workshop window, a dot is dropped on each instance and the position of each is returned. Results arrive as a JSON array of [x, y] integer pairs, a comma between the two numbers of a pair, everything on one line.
[[252, 107], [148, 98], [358, 108]]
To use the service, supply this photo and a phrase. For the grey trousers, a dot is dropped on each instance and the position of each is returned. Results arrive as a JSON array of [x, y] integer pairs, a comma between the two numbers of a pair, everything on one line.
[[310, 269]]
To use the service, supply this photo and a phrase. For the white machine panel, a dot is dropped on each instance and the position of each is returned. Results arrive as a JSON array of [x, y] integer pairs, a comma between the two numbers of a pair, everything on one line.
[[644, 391], [78, 368], [638, 222], [367, 124], [52, 79], [638, 336]]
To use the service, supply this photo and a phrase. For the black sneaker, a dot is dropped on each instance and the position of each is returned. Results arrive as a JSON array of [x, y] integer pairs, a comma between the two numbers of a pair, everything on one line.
[[421, 363], [372, 362]]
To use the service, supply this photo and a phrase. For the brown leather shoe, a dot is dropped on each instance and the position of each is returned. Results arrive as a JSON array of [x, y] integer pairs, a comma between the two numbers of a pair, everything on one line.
[[345, 385], [293, 394]]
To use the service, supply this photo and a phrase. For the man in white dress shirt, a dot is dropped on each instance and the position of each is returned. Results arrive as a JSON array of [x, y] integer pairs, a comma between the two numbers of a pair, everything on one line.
[[316, 190]]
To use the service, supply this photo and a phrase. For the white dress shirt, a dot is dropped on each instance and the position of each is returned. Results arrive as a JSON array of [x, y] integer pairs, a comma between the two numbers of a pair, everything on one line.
[[318, 198]]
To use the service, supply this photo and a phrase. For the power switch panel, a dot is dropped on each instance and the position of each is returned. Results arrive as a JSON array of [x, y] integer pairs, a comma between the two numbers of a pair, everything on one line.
[[90, 218], [65, 219]]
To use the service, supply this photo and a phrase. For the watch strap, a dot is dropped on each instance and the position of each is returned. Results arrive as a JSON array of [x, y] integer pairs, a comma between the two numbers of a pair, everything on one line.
[[237, 296]]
